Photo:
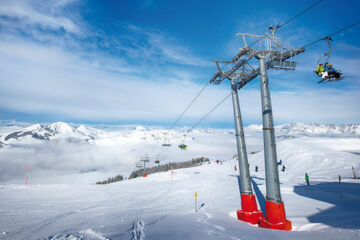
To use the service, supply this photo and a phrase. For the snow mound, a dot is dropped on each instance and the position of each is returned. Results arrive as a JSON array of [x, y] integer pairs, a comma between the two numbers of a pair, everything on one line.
[[87, 234], [140, 128]]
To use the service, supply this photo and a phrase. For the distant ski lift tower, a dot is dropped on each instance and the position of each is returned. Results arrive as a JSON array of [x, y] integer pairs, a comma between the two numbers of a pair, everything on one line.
[[144, 159], [241, 73]]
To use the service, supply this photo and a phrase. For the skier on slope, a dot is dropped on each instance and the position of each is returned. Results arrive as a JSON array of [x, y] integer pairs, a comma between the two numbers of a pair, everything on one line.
[[307, 179], [256, 168], [354, 173]]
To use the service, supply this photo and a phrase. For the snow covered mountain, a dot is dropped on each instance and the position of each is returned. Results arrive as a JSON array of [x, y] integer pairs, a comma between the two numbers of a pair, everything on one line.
[[63, 131], [313, 129], [54, 131]]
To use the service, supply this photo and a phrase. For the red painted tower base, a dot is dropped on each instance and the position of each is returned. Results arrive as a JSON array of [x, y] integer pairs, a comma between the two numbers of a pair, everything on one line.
[[275, 217], [249, 212]]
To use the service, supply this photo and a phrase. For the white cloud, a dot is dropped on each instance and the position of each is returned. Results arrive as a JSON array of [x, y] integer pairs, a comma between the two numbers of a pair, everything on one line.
[[151, 79], [33, 13]]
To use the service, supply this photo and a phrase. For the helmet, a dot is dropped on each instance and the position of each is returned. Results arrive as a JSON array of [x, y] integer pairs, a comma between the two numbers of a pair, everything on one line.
[[330, 64]]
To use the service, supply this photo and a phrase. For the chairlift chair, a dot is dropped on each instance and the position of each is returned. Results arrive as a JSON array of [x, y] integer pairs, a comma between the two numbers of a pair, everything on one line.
[[166, 142], [183, 146], [323, 60]]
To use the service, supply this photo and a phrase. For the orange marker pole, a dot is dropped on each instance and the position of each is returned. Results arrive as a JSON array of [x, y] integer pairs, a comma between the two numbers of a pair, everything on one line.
[[27, 173]]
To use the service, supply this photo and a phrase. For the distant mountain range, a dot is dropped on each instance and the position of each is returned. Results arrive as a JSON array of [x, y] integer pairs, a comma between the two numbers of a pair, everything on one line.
[[58, 130], [13, 134], [313, 129]]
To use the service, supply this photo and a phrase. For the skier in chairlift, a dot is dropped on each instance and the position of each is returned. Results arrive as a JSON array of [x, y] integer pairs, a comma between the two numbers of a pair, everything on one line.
[[333, 73], [320, 69], [327, 71]]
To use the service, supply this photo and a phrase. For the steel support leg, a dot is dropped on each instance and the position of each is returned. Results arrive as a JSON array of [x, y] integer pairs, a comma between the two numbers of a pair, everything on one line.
[[275, 211], [249, 212]]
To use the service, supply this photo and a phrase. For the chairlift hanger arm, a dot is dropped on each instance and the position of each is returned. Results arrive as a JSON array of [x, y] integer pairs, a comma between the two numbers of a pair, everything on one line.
[[332, 34], [328, 39], [327, 54]]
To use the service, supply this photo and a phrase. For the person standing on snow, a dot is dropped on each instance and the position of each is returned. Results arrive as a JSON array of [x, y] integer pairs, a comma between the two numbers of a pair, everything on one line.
[[283, 168], [307, 179], [354, 173], [256, 169]]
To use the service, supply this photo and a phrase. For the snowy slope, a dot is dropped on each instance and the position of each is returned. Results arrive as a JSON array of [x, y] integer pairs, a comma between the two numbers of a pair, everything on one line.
[[159, 207]]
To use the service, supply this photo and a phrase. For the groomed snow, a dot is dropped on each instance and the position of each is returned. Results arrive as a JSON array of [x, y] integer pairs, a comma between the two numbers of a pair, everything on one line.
[[61, 200]]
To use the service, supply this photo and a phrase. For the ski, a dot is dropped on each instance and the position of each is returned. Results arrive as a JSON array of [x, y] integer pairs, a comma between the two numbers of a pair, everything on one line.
[[322, 80]]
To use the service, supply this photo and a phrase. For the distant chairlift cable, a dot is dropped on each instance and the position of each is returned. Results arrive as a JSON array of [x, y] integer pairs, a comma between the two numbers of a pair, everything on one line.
[[286, 22], [187, 108], [182, 114], [206, 115], [297, 15], [332, 34]]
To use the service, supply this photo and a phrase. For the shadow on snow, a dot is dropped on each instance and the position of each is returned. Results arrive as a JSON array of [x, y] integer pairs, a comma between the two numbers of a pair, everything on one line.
[[346, 210]]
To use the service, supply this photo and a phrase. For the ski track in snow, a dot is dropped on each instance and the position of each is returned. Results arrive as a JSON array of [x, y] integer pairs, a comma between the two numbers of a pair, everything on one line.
[[138, 231]]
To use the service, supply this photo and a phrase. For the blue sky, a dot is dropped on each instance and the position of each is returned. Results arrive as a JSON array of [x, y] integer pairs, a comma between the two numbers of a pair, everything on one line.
[[142, 62]]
